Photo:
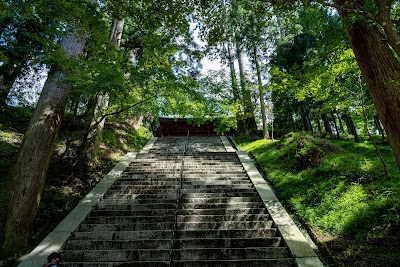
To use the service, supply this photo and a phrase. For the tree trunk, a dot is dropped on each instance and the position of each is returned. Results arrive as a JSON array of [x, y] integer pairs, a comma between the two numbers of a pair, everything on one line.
[[350, 126], [340, 123], [381, 71], [327, 125], [28, 174], [251, 125], [304, 119], [319, 125], [379, 126], [261, 91], [335, 124], [235, 90], [89, 148]]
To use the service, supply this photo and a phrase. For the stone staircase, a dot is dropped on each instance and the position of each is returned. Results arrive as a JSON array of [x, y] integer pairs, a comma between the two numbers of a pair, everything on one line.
[[177, 208]]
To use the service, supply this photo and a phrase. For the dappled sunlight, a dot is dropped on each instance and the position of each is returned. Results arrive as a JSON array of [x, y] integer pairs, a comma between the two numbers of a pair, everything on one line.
[[345, 198]]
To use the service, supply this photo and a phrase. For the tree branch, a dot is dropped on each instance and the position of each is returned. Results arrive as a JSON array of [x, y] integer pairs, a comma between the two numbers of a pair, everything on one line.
[[97, 122]]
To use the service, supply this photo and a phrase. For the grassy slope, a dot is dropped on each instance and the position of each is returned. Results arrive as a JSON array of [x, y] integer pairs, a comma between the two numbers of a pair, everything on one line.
[[351, 209], [64, 185]]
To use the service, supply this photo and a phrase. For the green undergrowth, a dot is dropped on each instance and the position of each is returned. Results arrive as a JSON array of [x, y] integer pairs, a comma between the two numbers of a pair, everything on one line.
[[339, 191]]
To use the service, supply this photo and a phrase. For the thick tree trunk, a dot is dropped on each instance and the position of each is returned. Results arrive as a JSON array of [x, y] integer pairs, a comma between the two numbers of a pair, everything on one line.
[[248, 107], [29, 171], [350, 126], [327, 125], [261, 91], [381, 71], [89, 148]]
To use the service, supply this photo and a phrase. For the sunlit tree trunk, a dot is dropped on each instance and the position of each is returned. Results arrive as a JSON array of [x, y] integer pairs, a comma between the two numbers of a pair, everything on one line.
[[235, 89], [28, 174], [335, 124], [381, 71], [340, 123], [248, 107], [261, 91]]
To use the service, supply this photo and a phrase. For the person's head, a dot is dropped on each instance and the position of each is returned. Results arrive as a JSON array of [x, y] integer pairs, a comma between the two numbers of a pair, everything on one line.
[[54, 258]]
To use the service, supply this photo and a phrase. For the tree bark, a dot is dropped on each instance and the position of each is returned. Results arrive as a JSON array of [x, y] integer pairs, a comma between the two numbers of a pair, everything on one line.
[[261, 91], [381, 71], [248, 107], [335, 124], [305, 120], [350, 126], [341, 127], [28, 174], [319, 125], [235, 90], [327, 125]]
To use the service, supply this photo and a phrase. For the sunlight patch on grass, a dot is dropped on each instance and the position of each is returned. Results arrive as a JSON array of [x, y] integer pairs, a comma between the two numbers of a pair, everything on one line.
[[346, 195]]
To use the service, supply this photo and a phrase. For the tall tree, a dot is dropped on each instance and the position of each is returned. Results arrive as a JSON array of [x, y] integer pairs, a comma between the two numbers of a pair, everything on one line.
[[363, 21], [29, 171]]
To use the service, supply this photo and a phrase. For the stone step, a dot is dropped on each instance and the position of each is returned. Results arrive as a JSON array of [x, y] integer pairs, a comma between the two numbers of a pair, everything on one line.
[[229, 242], [218, 190], [142, 191], [232, 211], [117, 244], [231, 233], [119, 195], [227, 225], [229, 186], [288, 262], [191, 195], [230, 253], [220, 200], [197, 263], [136, 207], [174, 186], [129, 219], [131, 186], [122, 235], [237, 205], [186, 178], [173, 182], [159, 201], [126, 227], [116, 255], [154, 212], [221, 218], [116, 264]]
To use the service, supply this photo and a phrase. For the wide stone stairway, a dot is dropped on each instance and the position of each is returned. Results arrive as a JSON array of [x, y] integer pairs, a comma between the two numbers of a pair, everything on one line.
[[182, 204]]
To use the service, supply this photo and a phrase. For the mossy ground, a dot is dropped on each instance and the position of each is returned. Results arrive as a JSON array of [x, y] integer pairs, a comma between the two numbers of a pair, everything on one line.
[[350, 207], [65, 185]]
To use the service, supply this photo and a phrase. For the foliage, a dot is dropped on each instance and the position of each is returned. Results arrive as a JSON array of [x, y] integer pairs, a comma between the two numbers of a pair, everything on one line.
[[350, 207]]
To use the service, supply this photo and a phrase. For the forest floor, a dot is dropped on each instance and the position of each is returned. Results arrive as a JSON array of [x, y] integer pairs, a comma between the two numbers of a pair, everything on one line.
[[338, 191], [65, 185]]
